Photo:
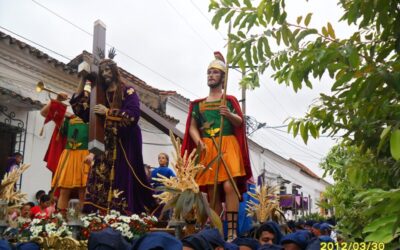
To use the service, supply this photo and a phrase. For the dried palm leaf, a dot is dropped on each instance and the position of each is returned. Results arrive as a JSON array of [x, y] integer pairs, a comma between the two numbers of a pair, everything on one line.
[[267, 205], [7, 187], [182, 191]]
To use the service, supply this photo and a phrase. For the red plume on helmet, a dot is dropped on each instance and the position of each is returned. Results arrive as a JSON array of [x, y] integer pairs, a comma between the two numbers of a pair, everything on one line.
[[219, 56], [218, 62]]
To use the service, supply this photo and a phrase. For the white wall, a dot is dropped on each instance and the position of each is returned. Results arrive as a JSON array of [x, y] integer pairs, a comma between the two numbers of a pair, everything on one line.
[[177, 108], [37, 176], [154, 142]]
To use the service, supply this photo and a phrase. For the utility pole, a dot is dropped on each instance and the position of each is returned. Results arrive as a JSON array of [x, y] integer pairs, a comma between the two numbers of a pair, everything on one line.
[[243, 97]]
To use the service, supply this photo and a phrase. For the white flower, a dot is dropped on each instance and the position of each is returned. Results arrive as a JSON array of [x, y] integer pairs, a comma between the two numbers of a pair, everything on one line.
[[58, 216], [135, 217], [114, 212], [114, 225], [129, 235], [86, 223], [125, 219], [36, 221], [50, 227]]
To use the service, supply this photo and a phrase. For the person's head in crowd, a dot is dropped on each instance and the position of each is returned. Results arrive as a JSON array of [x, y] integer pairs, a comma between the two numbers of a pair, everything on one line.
[[44, 201], [269, 232], [163, 159], [295, 241], [325, 238], [331, 221], [30, 203], [308, 225], [18, 158], [207, 239], [39, 194], [246, 243], [271, 247], [300, 225], [109, 239], [157, 241], [26, 210], [251, 233], [53, 197], [325, 229], [315, 244], [230, 246], [13, 162], [285, 229], [315, 230], [291, 225]]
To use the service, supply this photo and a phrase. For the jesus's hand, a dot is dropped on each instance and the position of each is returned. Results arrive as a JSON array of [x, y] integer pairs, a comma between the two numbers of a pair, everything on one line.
[[100, 109]]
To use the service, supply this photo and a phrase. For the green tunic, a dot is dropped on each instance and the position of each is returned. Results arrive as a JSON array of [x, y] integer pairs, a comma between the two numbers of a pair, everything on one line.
[[77, 133], [207, 113]]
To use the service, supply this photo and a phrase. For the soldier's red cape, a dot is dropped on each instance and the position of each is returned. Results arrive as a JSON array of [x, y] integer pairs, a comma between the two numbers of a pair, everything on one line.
[[240, 134], [57, 142]]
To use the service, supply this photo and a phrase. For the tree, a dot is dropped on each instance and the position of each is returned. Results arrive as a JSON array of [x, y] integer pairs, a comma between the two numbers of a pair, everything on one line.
[[365, 76]]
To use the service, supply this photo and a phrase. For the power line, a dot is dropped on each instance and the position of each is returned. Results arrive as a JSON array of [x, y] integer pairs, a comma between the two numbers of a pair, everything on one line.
[[37, 44], [59, 16], [118, 50], [297, 147], [189, 25], [289, 154], [265, 105], [272, 142], [202, 14], [276, 127], [321, 136], [294, 144], [276, 99], [153, 71]]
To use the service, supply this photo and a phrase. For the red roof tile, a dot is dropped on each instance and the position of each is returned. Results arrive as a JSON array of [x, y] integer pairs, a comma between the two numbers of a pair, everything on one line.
[[305, 169]]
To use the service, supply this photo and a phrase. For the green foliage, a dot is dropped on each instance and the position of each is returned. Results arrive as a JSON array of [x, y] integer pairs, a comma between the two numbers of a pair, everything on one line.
[[363, 108], [312, 216]]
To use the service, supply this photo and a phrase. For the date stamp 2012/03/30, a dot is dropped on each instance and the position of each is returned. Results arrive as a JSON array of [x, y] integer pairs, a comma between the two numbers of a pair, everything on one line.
[[352, 246]]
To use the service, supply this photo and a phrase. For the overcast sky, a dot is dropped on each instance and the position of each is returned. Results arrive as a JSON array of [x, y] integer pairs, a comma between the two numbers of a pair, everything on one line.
[[169, 44]]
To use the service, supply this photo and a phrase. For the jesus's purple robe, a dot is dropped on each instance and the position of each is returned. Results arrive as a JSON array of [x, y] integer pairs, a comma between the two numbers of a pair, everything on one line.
[[130, 176]]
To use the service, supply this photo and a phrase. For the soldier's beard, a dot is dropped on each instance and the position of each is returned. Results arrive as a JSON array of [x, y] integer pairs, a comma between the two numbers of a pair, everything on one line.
[[215, 85]]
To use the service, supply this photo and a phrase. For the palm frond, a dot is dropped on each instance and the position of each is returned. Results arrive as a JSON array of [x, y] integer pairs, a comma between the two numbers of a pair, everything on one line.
[[7, 190], [266, 206]]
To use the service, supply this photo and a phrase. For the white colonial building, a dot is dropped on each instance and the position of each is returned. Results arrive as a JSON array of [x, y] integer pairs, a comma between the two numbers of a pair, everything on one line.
[[22, 66]]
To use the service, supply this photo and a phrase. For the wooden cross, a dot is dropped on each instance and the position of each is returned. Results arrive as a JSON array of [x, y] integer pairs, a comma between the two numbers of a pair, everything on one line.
[[97, 96]]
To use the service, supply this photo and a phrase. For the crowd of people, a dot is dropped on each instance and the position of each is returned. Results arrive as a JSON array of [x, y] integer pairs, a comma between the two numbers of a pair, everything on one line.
[[118, 179], [309, 235]]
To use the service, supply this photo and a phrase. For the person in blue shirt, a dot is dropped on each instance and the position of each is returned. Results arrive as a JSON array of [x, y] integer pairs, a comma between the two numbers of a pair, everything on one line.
[[163, 169]]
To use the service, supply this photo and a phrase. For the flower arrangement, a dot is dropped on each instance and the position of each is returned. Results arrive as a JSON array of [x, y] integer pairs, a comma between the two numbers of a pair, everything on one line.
[[24, 229], [131, 227], [48, 227], [182, 193], [23, 225], [266, 207]]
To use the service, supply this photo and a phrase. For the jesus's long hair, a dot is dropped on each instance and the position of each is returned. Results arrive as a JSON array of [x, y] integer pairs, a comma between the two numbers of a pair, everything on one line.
[[118, 97]]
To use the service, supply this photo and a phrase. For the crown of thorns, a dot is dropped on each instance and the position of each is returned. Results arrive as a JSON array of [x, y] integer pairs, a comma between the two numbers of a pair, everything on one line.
[[111, 53]]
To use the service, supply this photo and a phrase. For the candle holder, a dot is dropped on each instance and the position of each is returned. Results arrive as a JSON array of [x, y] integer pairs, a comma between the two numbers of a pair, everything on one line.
[[73, 218]]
